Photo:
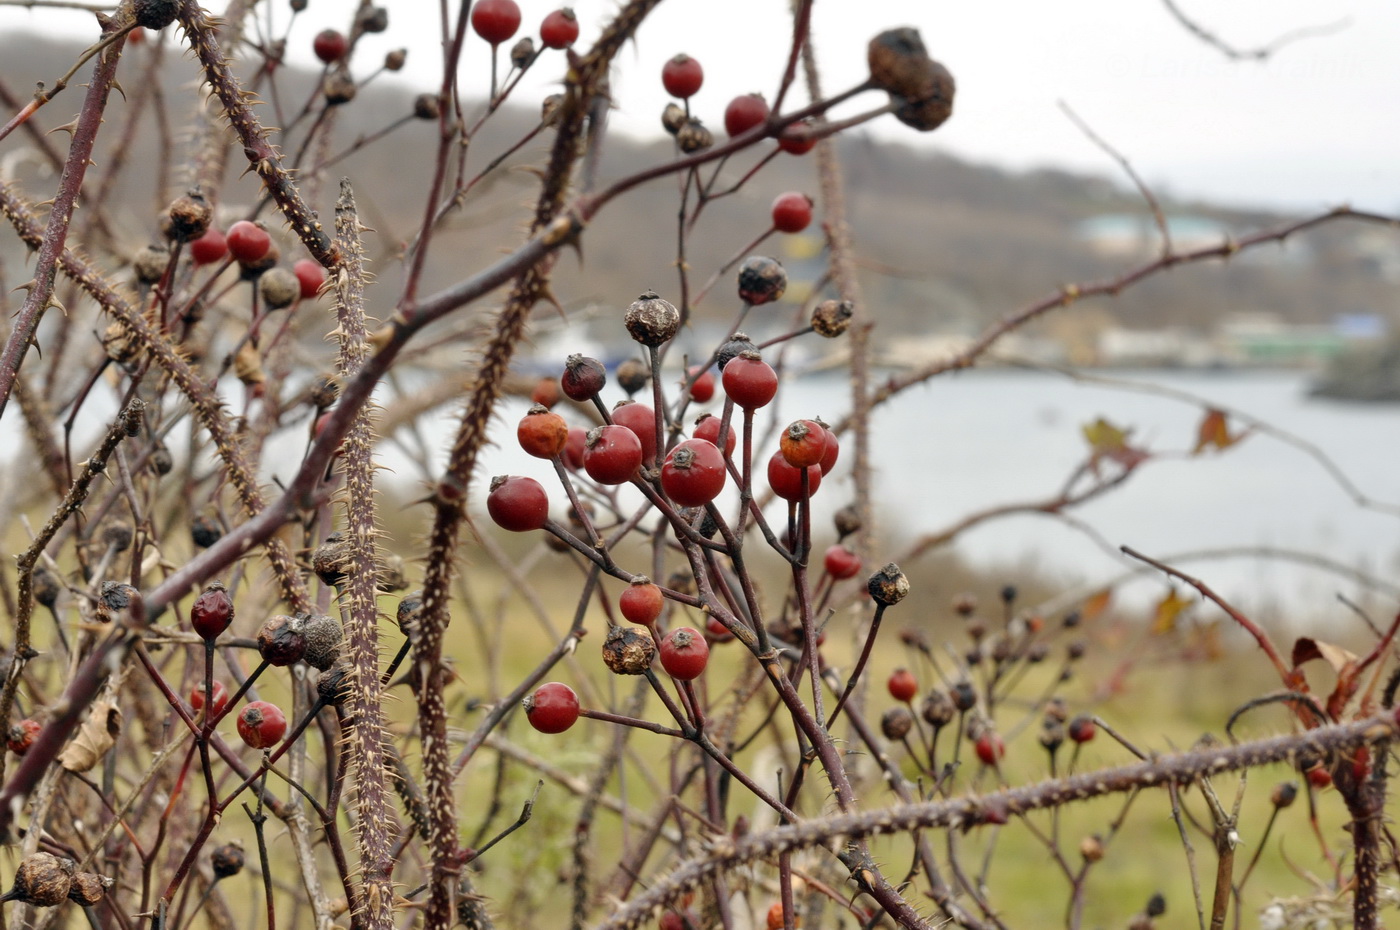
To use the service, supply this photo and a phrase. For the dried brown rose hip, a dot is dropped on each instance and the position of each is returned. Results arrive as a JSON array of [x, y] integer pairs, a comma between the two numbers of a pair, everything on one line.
[[673, 118], [900, 64], [279, 288], [937, 709], [282, 640], [45, 586], [633, 375], [522, 53], [1284, 794], [42, 880], [333, 687], [189, 216], [117, 536], [628, 651], [115, 598], [888, 586], [339, 87], [409, 613], [693, 137], [736, 345], [831, 318], [323, 638], [150, 263], [205, 531], [651, 320], [227, 860], [155, 14], [427, 106], [372, 19], [328, 560], [550, 108], [89, 888], [762, 280], [896, 723]]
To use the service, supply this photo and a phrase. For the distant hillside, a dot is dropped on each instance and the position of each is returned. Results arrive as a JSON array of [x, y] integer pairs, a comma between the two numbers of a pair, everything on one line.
[[947, 245]]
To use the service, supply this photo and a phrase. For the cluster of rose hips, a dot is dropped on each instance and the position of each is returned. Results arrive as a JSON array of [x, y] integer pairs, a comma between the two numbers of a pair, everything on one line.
[[683, 76], [643, 446], [996, 661]]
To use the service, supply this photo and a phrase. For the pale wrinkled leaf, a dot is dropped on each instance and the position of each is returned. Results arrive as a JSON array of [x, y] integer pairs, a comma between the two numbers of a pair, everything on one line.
[[96, 736]]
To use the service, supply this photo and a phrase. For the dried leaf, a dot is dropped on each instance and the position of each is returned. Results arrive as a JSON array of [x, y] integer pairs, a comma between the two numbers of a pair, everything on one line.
[[1305, 649], [96, 736], [1215, 431], [1096, 605], [1169, 609], [1107, 441], [1206, 641]]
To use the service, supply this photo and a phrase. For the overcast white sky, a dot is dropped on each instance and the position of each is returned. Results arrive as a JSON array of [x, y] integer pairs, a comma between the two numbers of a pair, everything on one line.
[[1316, 125]]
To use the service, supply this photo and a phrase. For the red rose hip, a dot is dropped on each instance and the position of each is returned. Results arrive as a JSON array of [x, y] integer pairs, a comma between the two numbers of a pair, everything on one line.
[[573, 448], [209, 248], [803, 443], [903, 686], [704, 387], [684, 653], [212, 611], [496, 20], [682, 76], [786, 481], [310, 275], [990, 748], [217, 705], [262, 725], [330, 46], [841, 563], [832, 449], [612, 454], [22, 736], [693, 474], [553, 708], [795, 139], [517, 504], [248, 242], [559, 29], [642, 601], [640, 419], [707, 427], [792, 212], [744, 113], [749, 381], [541, 433]]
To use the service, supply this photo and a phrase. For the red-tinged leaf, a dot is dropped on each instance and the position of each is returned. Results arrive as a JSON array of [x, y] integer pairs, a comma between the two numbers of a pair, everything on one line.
[[1215, 431], [1169, 609]]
